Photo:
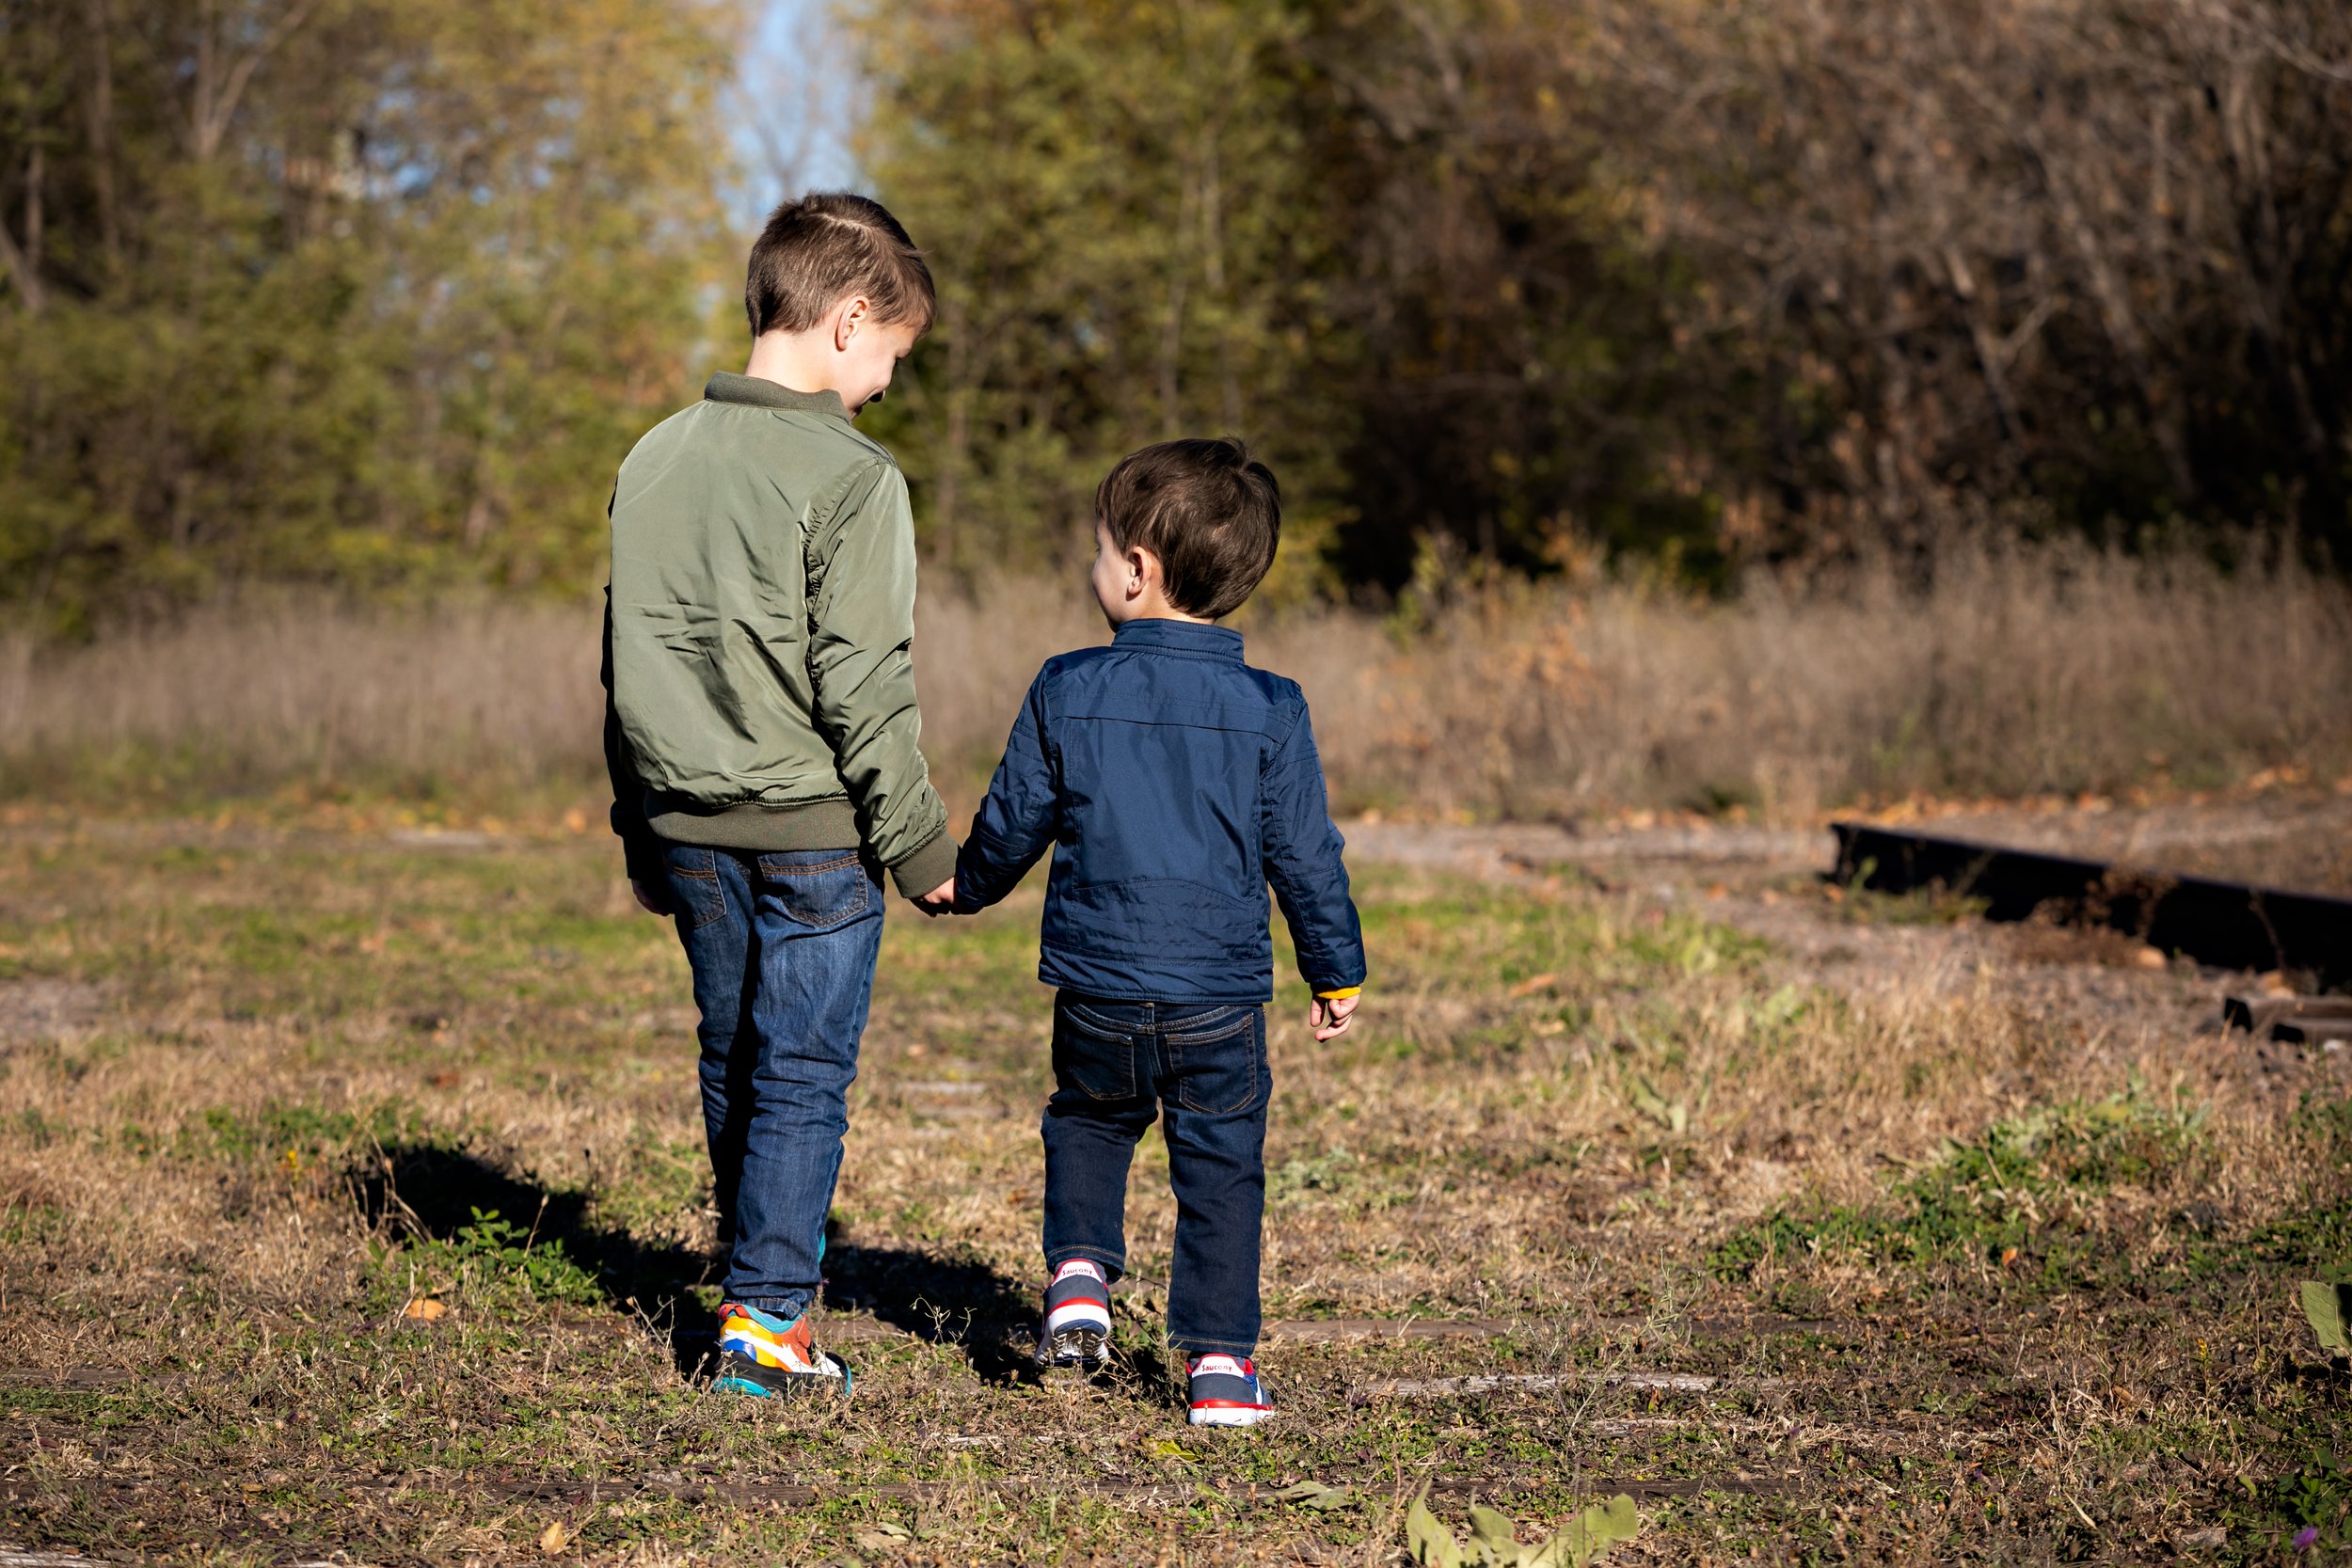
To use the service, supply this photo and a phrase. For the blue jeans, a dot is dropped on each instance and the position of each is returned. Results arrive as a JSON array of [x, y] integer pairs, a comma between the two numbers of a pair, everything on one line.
[[783, 945], [1114, 1064]]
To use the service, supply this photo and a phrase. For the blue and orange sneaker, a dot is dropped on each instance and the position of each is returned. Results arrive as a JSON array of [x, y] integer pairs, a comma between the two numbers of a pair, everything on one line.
[[763, 1355], [1077, 1328], [1226, 1391]]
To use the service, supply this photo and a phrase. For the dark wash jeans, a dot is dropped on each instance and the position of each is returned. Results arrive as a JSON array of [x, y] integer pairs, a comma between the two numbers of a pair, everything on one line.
[[783, 945], [1114, 1064]]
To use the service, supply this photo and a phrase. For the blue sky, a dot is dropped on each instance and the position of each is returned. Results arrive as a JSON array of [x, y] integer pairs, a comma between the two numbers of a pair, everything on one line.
[[798, 103]]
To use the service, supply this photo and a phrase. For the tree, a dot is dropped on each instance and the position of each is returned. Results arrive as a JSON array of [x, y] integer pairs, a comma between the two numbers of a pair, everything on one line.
[[340, 290]]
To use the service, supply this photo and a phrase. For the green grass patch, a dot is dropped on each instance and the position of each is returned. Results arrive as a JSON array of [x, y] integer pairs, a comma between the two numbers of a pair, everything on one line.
[[2017, 1193]]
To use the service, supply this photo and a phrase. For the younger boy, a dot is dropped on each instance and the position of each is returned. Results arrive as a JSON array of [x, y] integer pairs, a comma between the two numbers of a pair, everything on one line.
[[761, 727], [1177, 782]]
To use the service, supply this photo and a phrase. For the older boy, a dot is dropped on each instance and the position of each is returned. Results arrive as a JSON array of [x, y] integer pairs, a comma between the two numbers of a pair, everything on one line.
[[1177, 783], [762, 732]]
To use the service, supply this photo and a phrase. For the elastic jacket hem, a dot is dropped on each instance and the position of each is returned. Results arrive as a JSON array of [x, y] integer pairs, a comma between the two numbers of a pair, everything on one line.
[[815, 825]]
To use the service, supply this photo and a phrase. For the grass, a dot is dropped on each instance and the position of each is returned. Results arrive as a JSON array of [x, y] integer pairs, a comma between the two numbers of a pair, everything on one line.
[[306, 1079], [2019, 669]]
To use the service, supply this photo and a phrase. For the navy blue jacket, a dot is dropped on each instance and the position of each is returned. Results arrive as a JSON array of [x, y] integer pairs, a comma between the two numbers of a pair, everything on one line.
[[1175, 783]]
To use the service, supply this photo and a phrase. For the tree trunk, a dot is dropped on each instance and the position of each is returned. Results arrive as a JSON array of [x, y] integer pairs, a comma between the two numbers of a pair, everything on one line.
[[98, 108]]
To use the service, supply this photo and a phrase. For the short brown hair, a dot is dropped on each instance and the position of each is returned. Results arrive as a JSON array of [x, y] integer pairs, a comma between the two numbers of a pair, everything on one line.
[[829, 245], [1209, 510]]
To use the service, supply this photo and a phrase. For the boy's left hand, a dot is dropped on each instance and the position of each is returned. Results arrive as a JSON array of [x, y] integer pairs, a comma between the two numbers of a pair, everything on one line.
[[1330, 1015], [940, 900]]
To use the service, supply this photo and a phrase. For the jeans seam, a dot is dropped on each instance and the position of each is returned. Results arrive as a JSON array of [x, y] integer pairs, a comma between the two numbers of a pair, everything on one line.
[[1207, 1039], [767, 870], [1092, 1022]]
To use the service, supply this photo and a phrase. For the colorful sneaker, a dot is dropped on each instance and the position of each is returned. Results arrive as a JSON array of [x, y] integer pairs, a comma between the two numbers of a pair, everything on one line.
[[1077, 1328], [763, 1355], [1226, 1391]]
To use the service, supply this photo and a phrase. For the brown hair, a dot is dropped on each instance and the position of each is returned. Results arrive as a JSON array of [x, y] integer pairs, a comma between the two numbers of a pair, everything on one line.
[[829, 245], [1209, 510]]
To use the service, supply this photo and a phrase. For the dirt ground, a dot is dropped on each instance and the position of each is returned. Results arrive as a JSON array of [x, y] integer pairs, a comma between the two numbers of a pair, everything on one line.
[[352, 1209]]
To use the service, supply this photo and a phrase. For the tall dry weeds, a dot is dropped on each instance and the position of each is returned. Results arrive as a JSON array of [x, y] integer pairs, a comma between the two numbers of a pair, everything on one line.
[[2024, 668]]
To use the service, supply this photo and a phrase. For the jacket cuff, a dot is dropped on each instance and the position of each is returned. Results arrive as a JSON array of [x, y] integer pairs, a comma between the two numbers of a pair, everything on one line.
[[1341, 994], [928, 866]]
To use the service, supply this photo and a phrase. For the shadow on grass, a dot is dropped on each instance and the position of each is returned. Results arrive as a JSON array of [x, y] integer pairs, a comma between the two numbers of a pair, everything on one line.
[[957, 1301], [432, 1192]]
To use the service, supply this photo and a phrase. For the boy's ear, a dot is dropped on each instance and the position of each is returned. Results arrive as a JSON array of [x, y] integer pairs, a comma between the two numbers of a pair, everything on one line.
[[1143, 570], [849, 318]]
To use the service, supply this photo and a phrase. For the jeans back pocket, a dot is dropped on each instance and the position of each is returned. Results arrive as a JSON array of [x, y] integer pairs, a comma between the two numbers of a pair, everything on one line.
[[1218, 1059], [695, 892], [1092, 1053], [817, 888]]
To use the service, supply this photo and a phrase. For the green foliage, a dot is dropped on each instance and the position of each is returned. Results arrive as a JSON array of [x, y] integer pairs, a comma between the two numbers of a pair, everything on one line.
[[1127, 224], [493, 1256], [377, 295], [1495, 1544], [2328, 1307], [347, 292], [1503, 286]]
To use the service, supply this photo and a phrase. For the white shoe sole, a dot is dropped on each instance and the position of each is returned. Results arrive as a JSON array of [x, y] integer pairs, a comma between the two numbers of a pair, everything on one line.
[[1229, 1417]]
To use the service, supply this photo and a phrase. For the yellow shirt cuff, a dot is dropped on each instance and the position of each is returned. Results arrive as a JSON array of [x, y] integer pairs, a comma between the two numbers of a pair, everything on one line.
[[1340, 995]]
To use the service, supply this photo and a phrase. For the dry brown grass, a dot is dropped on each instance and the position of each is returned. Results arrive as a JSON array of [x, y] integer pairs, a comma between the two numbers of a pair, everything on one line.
[[2023, 669], [207, 1356]]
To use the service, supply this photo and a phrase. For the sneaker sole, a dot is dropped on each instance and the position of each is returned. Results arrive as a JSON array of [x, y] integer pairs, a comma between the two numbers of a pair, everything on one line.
[[1230, 1417], [739, 1375], [1076, 1348]]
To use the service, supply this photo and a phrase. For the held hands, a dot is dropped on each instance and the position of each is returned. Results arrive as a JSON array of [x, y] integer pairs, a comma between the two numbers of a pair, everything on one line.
[[1330, 1015], [940, 900]]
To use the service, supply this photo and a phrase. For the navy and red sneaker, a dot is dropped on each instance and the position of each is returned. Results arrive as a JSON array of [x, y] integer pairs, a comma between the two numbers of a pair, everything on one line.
[[1226, 1391], [1077, 1328]]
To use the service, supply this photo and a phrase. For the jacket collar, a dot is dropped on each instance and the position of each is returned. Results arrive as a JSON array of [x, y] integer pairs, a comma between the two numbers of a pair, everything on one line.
[[726, 386], [1179, 637]]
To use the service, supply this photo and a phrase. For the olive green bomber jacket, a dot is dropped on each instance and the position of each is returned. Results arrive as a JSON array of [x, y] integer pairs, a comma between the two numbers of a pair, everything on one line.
[[759, 688]]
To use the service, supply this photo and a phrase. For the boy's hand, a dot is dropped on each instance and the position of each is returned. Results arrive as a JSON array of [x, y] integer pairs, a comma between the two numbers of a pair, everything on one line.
[[940, 900], [652, 896], [1330, 1015]]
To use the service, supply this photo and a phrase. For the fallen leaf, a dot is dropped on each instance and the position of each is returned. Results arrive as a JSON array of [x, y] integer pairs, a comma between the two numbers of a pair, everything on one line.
[[1315, 1494], [1431, 1545], [2008, 1256], [554, 1538], [1534, 983], [425, 1309]]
